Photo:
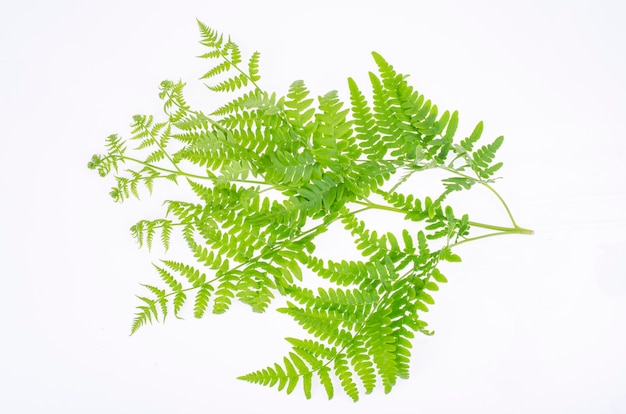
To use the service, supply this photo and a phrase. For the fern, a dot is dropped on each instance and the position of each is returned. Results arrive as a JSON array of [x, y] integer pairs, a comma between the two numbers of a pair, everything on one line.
[[267, 175]]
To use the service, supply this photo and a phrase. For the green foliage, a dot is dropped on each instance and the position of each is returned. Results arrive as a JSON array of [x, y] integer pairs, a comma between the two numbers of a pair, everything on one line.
[[269, 174]]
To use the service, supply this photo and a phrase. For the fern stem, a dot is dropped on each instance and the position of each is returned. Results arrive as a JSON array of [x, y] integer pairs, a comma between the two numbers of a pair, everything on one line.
[[370, 205], [490, 188], [509, 230], [484, 236], [506, 207], [189, 175], [177, 171]]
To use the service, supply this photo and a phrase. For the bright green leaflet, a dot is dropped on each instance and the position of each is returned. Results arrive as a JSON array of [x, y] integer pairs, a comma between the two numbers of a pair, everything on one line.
[[269, 174]]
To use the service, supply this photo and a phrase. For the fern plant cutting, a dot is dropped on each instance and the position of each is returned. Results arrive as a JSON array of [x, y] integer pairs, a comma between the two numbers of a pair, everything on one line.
[[267, 175]]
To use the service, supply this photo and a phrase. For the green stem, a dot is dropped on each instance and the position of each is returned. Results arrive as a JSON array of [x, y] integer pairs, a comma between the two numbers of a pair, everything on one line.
[[484, 236], [516, 229], [506, 207], [490, 188], [509, 230], [188, 175], [370, 205], [177, 171]]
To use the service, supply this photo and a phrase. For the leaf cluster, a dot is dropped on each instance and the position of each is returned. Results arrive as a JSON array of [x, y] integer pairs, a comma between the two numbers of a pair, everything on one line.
[[267, 175]]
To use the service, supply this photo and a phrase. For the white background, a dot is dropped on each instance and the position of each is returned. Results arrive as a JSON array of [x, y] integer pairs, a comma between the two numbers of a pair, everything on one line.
[[526, 324]]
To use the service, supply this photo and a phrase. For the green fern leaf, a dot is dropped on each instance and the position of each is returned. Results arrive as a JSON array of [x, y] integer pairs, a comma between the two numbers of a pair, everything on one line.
[[231, 84], [297, 107], [170, 280], [202, 300], [193, 275], [269, 174], [468, 143], [484, 156], [179, 300], [141, 318], [362, 363], [210, 37], [345, 376], [253, 67], [222, 67], [224, 293], [365, 125], [234, 106]]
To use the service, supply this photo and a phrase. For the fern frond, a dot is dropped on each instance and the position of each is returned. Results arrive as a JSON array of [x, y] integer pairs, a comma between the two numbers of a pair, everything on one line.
[[210, 38], [202, 300], [193, 275], [362, 363], [275, 376], [233, 51], [324, 324], [254, 289], [343, 372], [365, 125], [142, 317], [298, 108], [161, 299], [115, 145], [298, 365], [170, 280], [253, 67], [222, 67], [483, 157], [143, 232], [382, 348], [333, 144], [270, 174], [225, 292], [230, 84], [172, 95], [234, 106], [468, 143], [179, 300], [151, 308]]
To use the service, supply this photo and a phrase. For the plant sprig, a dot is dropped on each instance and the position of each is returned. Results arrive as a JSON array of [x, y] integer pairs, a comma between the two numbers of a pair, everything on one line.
[[269, 174]]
